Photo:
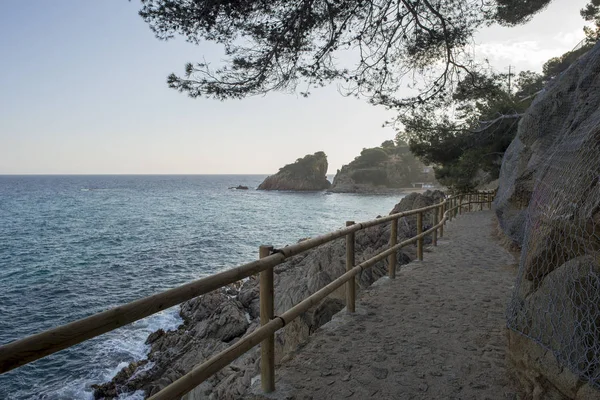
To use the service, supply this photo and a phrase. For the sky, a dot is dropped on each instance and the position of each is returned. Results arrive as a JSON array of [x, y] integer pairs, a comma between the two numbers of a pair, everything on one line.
[[83, 91]]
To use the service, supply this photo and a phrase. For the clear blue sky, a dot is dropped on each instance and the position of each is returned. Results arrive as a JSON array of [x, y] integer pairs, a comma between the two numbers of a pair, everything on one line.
[[83, 90]]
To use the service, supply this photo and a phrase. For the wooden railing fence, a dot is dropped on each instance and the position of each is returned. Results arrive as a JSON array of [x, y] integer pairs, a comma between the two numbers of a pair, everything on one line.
[[34, 347]]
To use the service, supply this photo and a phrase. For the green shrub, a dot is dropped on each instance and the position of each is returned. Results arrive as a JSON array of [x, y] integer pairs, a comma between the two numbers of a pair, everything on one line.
[[370, 176], [370, 157]]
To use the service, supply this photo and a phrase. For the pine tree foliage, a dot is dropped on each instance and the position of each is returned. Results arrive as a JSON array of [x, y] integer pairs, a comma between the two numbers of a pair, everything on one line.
[[373, 47]]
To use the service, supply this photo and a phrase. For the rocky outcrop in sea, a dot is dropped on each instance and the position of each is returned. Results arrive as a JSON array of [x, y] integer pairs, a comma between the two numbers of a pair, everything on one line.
[[215, 321], [549, 204], [306, 174]]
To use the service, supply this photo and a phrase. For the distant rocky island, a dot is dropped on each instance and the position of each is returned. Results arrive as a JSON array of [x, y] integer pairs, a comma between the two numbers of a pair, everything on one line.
[[306, 174], [385, 168], [382, 169]]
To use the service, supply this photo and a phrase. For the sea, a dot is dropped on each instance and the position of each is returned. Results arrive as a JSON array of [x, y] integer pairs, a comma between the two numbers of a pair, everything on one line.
[[71, 246]]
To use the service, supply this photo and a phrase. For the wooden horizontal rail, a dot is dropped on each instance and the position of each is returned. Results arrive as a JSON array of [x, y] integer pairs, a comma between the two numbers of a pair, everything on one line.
[[31, 348], [308, 244], [205, 370], [34, 347]]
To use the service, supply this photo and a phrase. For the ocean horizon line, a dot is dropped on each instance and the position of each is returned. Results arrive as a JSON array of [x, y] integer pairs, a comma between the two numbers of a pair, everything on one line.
[[133, 174]]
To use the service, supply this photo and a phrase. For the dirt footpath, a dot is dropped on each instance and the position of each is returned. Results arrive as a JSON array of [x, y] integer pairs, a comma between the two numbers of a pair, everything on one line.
[[435, 332]]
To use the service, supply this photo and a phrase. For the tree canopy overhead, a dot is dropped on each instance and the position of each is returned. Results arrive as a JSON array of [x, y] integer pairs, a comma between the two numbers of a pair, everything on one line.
[[465, 134], [371, 46], [469, 134]]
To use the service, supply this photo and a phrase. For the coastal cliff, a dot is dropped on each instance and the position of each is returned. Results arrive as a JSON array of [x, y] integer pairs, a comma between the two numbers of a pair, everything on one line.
[[306, 174], [215, 321], [548, 203], [381, 169]]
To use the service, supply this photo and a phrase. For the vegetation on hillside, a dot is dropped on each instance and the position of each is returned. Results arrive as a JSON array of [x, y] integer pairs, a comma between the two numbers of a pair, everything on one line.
[[311, 165], [464, 135], [305, 174], [391, 165]]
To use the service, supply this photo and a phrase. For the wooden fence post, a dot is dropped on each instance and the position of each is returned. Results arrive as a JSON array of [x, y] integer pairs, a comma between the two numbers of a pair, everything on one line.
[[392, 258], [480, 201], [442, 207], [420, 240], [460, 206], [267, 346], [455, 211], [435, 222], [350, 285]]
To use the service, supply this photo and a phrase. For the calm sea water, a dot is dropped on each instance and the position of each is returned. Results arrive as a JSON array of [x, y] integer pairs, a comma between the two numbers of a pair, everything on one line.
[[71, 246]]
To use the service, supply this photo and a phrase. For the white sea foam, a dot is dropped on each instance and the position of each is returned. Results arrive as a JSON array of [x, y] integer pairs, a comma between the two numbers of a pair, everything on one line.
[[137, 395], [74, 390], [133, 340], [127, 344]]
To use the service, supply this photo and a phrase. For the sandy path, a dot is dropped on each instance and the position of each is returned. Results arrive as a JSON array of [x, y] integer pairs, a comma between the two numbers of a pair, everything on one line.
[[436, 332]]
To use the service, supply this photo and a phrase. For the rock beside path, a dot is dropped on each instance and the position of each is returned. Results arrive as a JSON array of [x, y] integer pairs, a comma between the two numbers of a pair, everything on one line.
[[415, 200], [548, 203]]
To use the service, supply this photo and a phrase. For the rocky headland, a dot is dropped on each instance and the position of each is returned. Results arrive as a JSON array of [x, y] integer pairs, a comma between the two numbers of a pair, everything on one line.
[[384, 169], [214, 321], [306, 174], [548, 203]]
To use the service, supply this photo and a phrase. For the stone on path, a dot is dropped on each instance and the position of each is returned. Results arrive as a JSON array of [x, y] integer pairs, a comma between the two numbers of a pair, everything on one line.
[[436, 331]]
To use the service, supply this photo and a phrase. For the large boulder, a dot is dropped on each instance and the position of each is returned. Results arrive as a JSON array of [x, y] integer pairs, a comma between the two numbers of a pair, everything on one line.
[[413, 201], [548, 203], [216, 320], [306, 174]]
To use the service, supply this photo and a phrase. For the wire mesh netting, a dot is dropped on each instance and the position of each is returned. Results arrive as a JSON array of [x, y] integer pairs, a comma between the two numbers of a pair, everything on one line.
[[549, 203]]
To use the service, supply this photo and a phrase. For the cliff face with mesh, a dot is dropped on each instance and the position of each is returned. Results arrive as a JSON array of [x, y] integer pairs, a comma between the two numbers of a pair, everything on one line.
[[549, 203], [306, 174]]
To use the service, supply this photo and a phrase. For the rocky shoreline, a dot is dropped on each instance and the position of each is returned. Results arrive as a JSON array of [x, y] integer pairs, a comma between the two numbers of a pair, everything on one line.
[[215, 321], [369, 189]]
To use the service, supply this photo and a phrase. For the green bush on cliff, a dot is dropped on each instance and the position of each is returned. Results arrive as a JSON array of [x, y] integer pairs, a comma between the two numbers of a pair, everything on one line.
[[311, 164], [370, 176], [391, 165], [370, 157], [467, 137]]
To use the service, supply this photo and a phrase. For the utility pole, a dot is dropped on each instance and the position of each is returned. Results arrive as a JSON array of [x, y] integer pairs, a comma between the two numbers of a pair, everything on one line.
[[509, 76]]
